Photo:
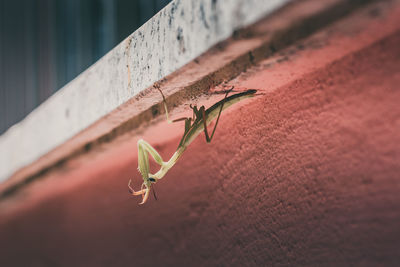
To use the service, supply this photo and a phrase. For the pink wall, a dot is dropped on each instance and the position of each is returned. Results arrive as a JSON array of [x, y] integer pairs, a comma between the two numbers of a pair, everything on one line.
[[305, 174]]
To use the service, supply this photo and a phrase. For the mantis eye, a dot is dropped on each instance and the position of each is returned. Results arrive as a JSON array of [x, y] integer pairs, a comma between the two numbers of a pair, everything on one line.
[[151, 179]]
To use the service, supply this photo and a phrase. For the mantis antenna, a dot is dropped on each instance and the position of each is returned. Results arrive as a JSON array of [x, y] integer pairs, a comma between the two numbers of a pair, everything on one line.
[[193, 127]]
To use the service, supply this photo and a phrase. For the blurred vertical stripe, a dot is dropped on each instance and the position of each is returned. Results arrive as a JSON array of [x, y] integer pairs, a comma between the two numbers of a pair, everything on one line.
[[44, 44]]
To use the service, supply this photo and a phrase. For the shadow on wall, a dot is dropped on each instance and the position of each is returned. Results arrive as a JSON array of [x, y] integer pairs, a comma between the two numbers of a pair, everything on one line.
[[45, 44]]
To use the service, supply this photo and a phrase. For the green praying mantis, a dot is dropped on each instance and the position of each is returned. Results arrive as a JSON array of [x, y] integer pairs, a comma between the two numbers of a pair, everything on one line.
[[193, 127]]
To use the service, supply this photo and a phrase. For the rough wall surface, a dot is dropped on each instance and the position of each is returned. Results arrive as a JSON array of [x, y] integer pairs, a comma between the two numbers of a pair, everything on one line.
[[305, 174]]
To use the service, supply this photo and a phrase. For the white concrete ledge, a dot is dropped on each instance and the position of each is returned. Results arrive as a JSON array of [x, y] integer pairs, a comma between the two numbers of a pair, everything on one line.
[[180, 32]]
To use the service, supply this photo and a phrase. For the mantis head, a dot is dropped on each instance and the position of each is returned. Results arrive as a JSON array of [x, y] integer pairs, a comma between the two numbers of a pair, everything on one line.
[[144, 190]]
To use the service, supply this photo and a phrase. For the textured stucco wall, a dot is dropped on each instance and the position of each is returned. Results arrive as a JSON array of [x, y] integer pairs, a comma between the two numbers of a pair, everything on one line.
[[305, 174]]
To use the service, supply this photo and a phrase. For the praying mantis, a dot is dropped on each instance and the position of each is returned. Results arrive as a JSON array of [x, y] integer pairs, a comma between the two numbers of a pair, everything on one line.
[[193, 127]]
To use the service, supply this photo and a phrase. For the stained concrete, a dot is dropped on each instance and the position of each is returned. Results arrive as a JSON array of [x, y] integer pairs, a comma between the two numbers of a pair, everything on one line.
[[307, 173]]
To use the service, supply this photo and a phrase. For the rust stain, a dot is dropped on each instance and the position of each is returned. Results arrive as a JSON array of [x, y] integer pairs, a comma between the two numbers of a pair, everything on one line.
[[127, 55]]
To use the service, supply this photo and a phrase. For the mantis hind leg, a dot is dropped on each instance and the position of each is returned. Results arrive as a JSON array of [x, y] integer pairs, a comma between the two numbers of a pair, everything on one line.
[[165, 105], [202, 110], [166, 110]]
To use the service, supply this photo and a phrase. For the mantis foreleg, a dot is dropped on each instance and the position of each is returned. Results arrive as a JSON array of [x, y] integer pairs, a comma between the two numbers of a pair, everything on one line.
[[144, 149]]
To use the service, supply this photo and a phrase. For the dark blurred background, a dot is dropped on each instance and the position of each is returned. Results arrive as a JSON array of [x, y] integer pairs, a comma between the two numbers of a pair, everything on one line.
[[44, 44]]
